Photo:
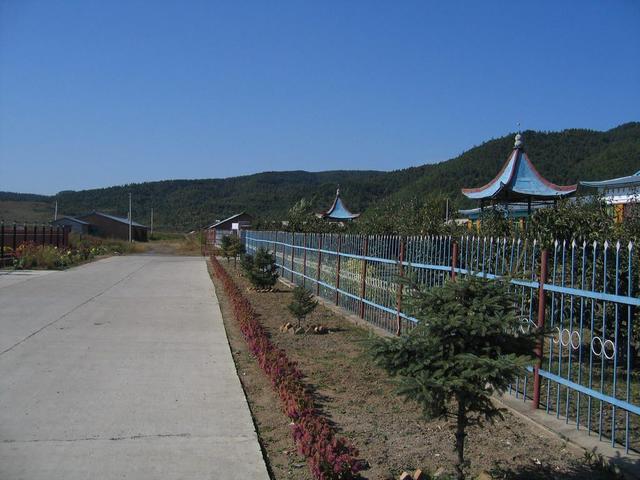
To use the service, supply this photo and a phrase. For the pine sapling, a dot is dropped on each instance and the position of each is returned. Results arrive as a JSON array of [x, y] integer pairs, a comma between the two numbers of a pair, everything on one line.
[[264, 273], [246, 263], [302, 304], [237, 248], [226, 247], [467, 345]]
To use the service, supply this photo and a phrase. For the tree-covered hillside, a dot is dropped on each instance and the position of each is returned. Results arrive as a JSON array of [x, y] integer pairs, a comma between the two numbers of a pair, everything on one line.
[[563, 157]]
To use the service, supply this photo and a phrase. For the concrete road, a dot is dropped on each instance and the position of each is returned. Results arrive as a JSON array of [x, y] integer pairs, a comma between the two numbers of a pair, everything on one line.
[[120, 369]]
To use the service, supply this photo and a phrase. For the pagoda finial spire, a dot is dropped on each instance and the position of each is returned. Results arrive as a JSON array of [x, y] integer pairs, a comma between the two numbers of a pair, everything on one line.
[[518, 143]]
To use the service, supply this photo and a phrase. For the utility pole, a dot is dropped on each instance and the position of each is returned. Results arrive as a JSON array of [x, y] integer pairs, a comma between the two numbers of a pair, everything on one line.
[[129, 217]]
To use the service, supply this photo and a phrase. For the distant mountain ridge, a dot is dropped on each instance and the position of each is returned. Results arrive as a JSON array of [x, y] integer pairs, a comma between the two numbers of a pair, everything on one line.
[[563, 157]]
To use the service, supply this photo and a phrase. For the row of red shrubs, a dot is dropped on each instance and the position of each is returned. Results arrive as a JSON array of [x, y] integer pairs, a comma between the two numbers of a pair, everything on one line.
[[329, 457]]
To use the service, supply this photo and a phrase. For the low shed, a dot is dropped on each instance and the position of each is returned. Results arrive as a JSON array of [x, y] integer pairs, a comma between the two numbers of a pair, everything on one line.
[[76, 225], [111, 226], [229, 226]]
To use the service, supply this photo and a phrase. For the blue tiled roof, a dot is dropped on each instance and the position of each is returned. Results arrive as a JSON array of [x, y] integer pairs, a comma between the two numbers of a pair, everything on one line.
[[339, 211], [519, 180], [630, 180]]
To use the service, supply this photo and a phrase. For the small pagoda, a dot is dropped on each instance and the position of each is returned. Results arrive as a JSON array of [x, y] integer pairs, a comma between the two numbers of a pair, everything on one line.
[[518, 183], [338, 211]]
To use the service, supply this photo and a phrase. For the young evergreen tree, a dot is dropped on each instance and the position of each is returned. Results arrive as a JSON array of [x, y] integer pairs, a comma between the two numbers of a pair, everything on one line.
[[246, 262], [226, 247], [264, 272], [302, 303], [232, 246], [467, 345], [237, 248]]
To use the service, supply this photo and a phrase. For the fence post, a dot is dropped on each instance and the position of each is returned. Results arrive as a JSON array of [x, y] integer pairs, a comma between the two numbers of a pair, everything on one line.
[[400, 287], [66, 235], [338, 261], [275, 249], [2, 244], [293, 250], [51, 235], [15, 240], [58, 236], [454, 260], [363, 280], [319, 265], [304, 260], [540, 324], [44, 234]]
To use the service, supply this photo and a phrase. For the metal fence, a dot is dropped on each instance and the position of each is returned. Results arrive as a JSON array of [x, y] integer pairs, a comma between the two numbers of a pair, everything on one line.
[[14, 235], [585, 293]]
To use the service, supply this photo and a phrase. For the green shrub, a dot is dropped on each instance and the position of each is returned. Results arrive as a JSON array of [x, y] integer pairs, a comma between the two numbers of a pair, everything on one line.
[[31, 256], [246, 262], [302, 304], [583, 219], [232, 246], [81, 248], [466, 346], [263, 272]]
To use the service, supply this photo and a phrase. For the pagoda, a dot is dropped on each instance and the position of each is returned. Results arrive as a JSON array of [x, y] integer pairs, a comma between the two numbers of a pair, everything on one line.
[[518, 182], [338, 211]]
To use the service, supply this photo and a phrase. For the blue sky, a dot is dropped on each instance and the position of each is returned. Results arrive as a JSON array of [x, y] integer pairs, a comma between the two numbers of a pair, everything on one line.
[[98, 93]]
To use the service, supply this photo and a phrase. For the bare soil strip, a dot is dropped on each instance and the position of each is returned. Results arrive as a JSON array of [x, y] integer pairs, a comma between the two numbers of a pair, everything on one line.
[[390, 434]]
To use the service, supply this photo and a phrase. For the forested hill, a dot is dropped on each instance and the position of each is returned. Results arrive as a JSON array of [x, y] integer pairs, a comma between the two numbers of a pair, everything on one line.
[[563, 157]]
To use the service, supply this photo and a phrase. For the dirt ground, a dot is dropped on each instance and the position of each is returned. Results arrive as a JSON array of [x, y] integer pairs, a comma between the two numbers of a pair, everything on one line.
[[180, 245], [390, 434]]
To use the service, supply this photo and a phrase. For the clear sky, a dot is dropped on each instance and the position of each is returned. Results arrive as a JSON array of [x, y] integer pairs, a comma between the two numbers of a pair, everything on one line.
[[98, 93]]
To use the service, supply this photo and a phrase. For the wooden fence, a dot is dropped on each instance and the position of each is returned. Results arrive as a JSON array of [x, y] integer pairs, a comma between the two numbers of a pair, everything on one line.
[[14, 235]]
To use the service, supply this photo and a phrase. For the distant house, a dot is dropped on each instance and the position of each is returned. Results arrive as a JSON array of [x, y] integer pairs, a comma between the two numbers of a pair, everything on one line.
[[111, 226], [229, 226], [75, 225], [622, 193]]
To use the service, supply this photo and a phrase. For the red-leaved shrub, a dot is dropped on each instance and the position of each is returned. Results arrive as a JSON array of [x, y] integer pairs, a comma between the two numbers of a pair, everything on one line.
[[328, 456]]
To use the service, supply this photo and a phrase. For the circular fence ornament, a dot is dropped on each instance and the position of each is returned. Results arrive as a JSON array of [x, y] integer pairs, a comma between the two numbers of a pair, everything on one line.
[[566, 338], [600, 348]]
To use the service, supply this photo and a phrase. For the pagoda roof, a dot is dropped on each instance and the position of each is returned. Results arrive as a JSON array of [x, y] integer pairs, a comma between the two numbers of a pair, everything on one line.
[[338, 210], [518, 180], [628, 181]]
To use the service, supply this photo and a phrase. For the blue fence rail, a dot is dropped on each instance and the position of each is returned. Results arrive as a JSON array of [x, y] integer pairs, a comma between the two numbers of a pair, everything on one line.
[[585, 293]]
